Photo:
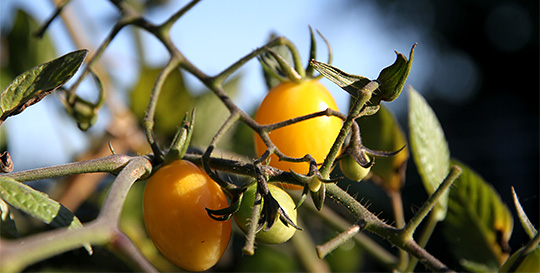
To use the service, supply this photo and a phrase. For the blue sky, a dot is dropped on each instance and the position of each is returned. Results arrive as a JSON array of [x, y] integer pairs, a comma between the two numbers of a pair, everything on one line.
[[362, 40]]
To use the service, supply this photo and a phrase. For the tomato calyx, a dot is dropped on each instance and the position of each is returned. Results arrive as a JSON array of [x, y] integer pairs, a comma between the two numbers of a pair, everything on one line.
[[227, 213], [361, 155], [276, 62]]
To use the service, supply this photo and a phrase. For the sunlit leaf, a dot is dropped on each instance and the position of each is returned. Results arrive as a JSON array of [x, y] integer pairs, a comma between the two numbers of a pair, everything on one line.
[[34, 84], [173, 103], [523, 218], [478, 224], [429, 148], [382, 132], [38, 204]]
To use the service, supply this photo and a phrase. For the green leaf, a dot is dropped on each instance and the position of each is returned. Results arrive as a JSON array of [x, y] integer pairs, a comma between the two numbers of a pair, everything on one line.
[[8, 229], [211, 114], [24, 49], [382, 132], [523, 218], [392, 78], [38, 204], [478, 224], [33, 85], [173, 103], [429, 148]]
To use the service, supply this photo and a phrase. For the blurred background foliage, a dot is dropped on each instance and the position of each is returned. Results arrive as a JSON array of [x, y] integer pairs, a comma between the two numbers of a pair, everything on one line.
[[482, 82]]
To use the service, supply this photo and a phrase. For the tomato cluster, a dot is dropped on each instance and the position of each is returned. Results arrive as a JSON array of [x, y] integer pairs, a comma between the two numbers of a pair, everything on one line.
[[174, 205]]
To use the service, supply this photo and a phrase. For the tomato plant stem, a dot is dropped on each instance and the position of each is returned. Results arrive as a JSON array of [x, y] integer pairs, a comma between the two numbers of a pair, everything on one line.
[[364, 95]]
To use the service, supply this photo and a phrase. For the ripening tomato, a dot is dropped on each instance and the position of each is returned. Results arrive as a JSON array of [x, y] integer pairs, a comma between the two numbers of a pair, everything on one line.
[[174, 206], [314, 136], [279, 232]]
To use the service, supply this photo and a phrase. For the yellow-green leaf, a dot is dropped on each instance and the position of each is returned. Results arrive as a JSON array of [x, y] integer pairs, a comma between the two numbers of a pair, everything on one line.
[[38, 204], [478, 224], [382, 132], [429, 148]]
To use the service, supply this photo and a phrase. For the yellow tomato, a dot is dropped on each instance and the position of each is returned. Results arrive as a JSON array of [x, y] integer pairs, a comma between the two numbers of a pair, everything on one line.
[[174, 205], [313, 136]]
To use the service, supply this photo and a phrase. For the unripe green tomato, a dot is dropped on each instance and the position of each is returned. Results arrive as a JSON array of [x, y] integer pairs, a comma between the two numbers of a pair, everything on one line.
[[531, 262], [279, 232], [352, 170]]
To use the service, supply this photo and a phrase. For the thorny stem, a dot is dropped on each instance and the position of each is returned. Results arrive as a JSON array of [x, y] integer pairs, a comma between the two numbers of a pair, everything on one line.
[[364, 96], [386, 258], [111, 164], [397, 207], [249, 247], [16, 255], [99, 231], [228, 187], [148, 121], [325, 249], [411, 226], [369, 221]]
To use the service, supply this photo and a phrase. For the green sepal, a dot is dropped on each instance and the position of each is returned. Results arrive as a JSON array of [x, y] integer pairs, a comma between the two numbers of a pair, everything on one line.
[[226, 213], [392, 78], [181, 139], [319, 196], [523, 218], [348, 82]]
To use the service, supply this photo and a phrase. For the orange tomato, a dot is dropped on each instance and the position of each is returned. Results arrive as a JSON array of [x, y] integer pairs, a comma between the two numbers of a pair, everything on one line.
[[314, 136], [174, 206]]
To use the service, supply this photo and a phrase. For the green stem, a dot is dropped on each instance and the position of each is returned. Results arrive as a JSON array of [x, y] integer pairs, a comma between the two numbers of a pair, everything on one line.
[[148, 121], [110, 164], [221, 77], [304, 247], [386, 258], [99, 51], [397, 207], [249, 247], [16, 255], [326, 248], [364, 95], [431, 223], [453, 174], [166, 26]]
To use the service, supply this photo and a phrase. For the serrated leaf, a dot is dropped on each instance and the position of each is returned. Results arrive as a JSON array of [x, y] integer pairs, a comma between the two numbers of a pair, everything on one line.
[[8, 229], [478, 224], [382, 132], [173, 103], [34, 84], [38, 204], [429, 148], [523, 218]]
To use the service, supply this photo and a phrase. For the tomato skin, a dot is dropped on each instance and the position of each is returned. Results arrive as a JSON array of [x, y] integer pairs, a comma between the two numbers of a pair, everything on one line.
[[174, 206], [278, 233], [314, 136]]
